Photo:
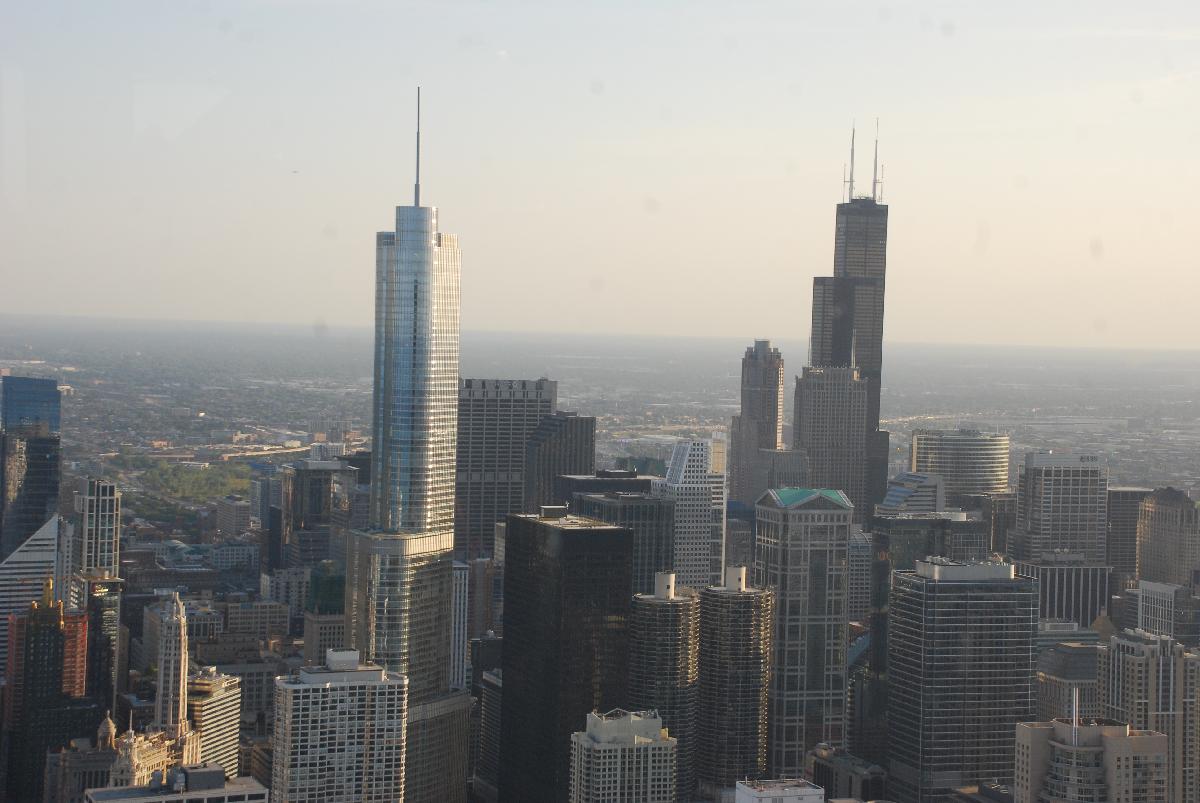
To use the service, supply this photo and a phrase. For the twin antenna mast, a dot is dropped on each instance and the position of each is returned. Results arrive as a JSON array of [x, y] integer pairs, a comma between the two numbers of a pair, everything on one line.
[[876, 172]]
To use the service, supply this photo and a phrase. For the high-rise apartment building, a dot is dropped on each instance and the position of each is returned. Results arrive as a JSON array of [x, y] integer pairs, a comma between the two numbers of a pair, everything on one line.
[[623, 755], [566, 618], [1168, 537], [562, 443], [759, 424], [214, 706], [96, 540], [1080, 760], [30, 462], [802, 547], [1124, 508], [967, 460], [1062, 508], [399, 577], [695, 482], [496, 418], [339, 733], [832, 428], [950, 626], [1151, 682], [664, 666], [650, 519], [736, 631]]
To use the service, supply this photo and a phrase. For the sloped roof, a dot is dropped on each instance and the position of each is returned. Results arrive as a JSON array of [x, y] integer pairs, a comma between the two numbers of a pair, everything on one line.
[[799, 497]]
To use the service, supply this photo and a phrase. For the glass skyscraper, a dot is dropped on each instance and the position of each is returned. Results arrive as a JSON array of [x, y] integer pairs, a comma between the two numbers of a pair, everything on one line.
[[27, 401], [399, 571], [29, 457]]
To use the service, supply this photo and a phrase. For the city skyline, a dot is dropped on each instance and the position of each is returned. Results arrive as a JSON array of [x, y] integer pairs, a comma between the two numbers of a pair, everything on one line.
[[309, 565], [1025, 137]]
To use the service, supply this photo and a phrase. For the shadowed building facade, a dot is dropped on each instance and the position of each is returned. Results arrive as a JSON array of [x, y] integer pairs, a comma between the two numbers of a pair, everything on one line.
[[736, 631], [803, 557], [759, 424], [664, 666], [566, 651]]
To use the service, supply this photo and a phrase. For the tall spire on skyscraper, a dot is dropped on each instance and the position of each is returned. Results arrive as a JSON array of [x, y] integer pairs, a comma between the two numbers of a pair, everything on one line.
[[875, 168], [417, 183]]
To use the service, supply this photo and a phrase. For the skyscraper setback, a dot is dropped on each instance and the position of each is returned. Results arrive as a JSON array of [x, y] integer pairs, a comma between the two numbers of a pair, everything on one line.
[[399, 577], [847, 333]]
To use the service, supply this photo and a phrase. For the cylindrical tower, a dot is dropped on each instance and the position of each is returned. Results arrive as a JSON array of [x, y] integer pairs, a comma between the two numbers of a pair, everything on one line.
[[968, 461], [735, 670], [664, 666]]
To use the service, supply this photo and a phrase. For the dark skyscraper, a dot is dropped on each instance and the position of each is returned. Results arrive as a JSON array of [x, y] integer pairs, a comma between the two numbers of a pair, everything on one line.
[[563, 443], [495, 419], [29, 402], [300, 531], [652, 522], [847, 322], [759, 424], [30, 420], [46, 676], [102, 602], [1124, 506], [566, 615]]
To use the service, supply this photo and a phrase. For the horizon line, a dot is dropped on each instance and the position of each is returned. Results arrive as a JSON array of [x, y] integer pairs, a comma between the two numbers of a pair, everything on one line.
[[321, 328]]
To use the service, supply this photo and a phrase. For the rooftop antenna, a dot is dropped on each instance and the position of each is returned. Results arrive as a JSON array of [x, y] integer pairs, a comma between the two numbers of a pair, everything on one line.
[[875, 168], [844, 178], [417, 184], [851, 196]]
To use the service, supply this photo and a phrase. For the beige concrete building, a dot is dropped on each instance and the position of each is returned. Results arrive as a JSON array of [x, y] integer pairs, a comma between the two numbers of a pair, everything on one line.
[[1151, 682], [623, 755], [1089, 761]]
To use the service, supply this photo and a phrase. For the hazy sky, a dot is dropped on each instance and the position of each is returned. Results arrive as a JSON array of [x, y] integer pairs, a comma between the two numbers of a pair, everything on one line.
[[646, 167]]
